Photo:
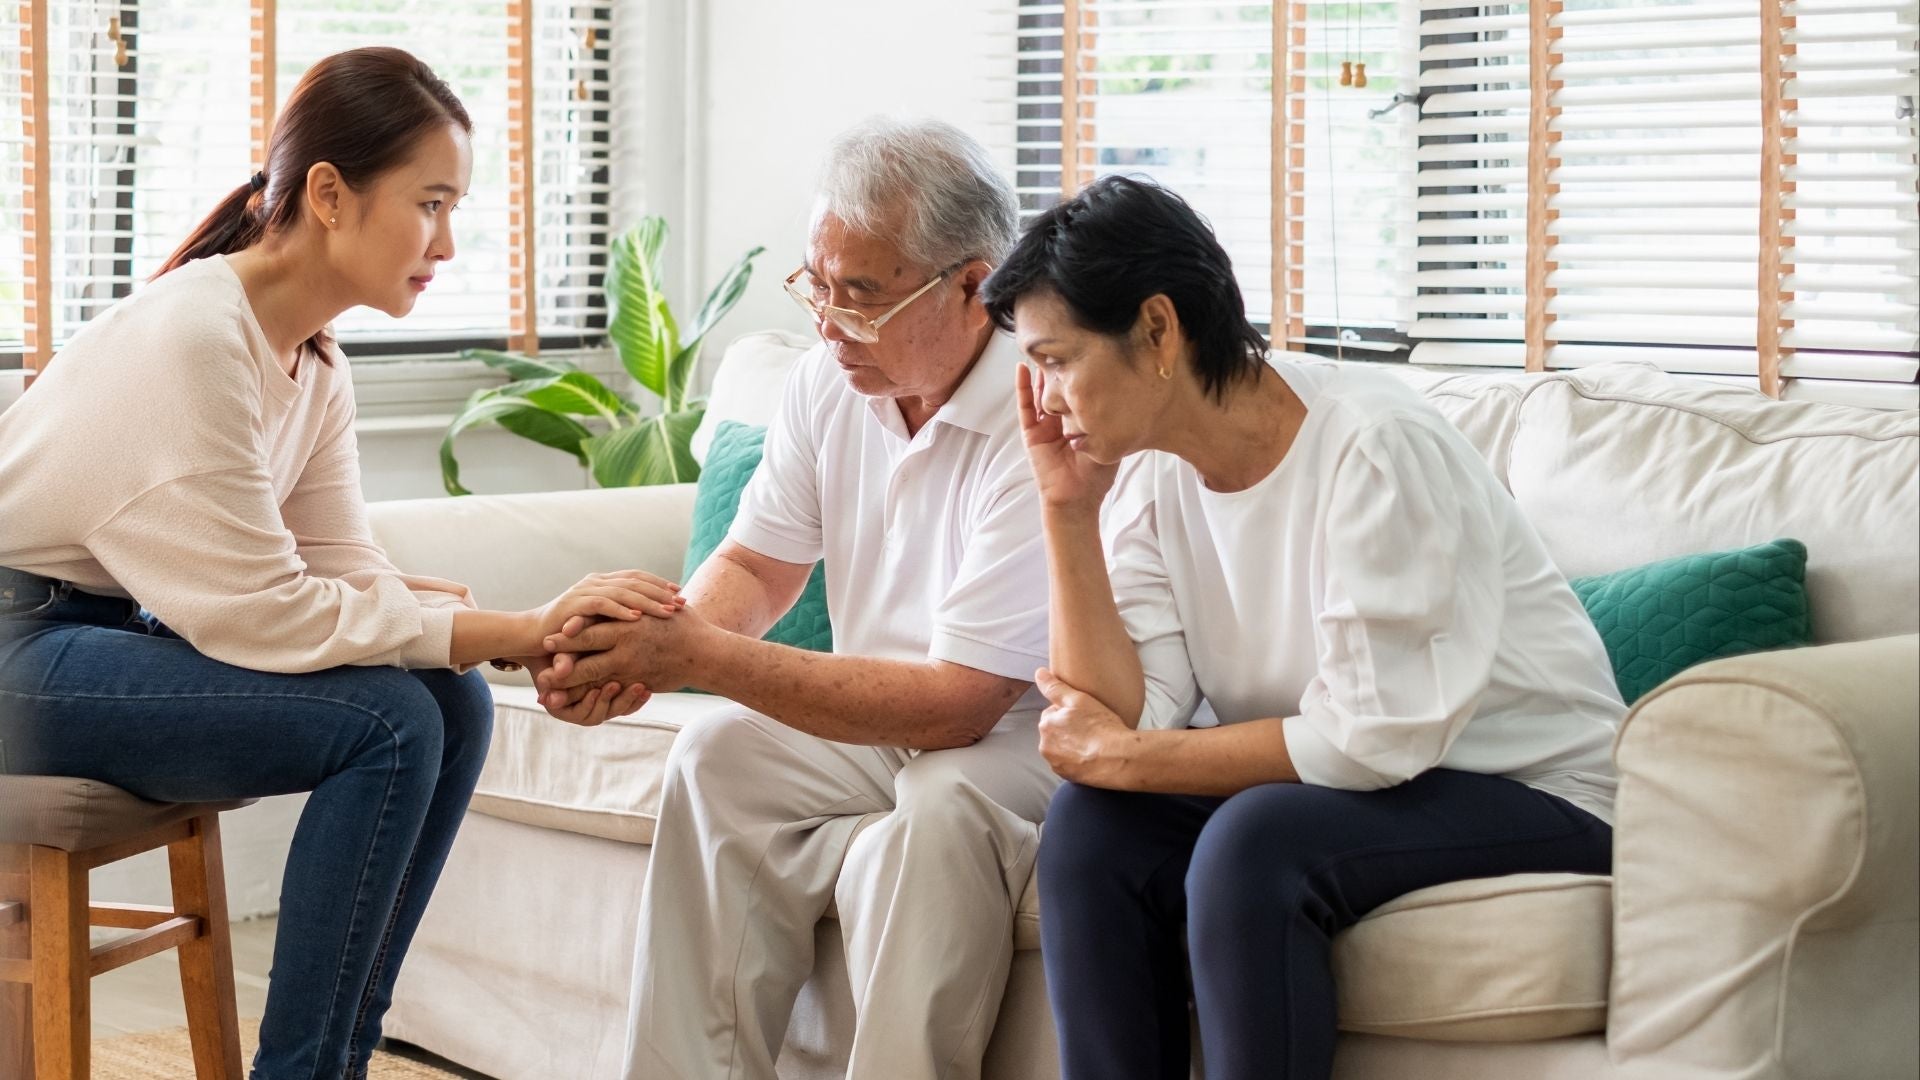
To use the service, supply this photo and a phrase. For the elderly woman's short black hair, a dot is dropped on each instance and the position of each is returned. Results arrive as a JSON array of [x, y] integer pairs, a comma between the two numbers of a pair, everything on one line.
[[1118, 242]]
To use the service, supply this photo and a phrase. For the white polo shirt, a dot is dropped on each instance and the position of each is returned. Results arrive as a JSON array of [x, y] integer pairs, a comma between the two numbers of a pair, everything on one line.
[[933, 543]]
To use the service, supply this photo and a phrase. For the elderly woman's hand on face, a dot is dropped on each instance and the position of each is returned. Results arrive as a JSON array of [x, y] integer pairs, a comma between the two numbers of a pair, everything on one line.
[[1067, 478], [1083, 740]]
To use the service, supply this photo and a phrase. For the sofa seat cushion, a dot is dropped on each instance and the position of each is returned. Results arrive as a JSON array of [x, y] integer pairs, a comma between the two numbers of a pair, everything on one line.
[[1494, 960], [1507, 959], [597, 781]]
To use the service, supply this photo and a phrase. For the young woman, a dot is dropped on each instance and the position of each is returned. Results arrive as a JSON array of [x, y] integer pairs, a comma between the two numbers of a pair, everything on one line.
[[1321, 662], [191, 605]]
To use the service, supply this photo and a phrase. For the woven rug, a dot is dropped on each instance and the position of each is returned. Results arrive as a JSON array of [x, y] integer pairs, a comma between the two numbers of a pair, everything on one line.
[[167, 1055]]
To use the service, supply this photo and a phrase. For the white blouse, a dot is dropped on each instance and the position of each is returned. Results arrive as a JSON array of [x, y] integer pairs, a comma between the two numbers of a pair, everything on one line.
[[1379, 590]]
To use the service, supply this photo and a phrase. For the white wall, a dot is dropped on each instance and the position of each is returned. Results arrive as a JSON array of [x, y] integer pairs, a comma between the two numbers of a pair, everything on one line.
[[780, 80]]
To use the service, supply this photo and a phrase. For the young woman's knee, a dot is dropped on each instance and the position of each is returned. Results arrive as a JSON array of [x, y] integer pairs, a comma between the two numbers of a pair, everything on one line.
[[466, 709], [394, 715]]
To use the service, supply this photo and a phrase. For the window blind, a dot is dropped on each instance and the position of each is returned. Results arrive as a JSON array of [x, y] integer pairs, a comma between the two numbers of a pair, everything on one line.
[[1184, 92], [465, 42], [1849, 163], [18, 41], [1167, 89], [1652, 196], [146, 127], [151, 111], [1347, 235], [1038, 179], [572, 182]]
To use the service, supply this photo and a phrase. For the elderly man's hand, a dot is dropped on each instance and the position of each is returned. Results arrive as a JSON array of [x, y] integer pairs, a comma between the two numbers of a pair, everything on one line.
[[1083, 740], [665, 654], [587, 706]]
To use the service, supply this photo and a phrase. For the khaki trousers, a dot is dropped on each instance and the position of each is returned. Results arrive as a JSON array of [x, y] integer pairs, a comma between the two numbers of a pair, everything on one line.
[[761, 829]]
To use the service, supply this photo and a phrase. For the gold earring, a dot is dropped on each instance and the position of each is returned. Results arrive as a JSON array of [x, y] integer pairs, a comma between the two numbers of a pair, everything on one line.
[[1166, 373]]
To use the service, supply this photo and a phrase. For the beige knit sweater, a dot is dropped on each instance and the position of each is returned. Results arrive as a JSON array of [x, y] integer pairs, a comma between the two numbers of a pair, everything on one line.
[[166, 456]]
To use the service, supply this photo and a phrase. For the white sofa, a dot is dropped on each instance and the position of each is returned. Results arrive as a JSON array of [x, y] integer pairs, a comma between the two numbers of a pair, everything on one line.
[[1761, 919]]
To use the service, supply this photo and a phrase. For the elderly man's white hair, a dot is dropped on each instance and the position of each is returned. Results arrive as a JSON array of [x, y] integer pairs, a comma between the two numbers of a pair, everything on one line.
[[924, 182]]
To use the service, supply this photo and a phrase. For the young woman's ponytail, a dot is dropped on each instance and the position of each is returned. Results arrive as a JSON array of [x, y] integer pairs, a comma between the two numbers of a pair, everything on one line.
[[235, 225]]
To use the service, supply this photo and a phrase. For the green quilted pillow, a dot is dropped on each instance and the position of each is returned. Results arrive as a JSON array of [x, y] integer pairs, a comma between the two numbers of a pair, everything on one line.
[[1664, 617], [731, 459]]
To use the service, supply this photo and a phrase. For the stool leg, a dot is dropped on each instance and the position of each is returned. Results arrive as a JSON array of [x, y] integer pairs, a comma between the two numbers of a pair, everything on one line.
[[206, 962], [62, 998], [16, 998]]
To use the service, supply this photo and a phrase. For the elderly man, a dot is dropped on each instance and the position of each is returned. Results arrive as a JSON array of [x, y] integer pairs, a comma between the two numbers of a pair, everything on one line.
[[897, 458]]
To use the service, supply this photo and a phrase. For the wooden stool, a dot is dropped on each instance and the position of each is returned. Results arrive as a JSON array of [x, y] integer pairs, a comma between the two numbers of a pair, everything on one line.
[[53, 830]]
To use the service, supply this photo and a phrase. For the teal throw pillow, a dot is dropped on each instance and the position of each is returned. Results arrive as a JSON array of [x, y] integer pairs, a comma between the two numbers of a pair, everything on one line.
[[1664, 617], [731, 459]]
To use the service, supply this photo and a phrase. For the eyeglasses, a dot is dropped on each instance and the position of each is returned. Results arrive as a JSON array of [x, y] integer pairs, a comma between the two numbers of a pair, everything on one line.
[[850, 322]]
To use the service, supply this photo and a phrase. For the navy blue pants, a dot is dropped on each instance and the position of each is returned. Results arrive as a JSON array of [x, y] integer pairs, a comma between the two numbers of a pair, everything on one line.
[[1260, 883]]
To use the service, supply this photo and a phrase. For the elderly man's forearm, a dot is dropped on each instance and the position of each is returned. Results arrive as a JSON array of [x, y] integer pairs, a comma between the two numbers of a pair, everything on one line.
[[918, 705], [742, 593]]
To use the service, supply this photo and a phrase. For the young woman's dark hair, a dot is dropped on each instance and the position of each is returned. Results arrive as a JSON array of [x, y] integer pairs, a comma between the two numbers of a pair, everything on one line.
[[359, 111], [1118, 242]]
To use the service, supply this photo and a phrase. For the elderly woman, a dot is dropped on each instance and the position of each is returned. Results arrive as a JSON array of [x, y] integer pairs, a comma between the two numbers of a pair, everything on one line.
[[1322, 661]]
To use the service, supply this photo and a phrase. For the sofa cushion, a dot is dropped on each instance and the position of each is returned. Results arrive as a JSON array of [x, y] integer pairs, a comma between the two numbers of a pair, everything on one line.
[[731, 462], [748, 384], [597, 781], [1618, 465], [1484, 407], [1659, 619], [1505, 959]]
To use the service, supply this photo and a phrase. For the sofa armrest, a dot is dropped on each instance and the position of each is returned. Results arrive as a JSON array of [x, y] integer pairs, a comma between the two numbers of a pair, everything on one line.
[[1765, 845], [518, 551]]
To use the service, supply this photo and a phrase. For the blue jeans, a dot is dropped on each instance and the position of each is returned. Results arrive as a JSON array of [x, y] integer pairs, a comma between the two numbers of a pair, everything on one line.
[[1258, 885], [91, 687]]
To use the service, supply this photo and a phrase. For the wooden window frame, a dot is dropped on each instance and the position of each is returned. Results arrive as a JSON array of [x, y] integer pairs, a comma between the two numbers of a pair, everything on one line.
[[521, 330]]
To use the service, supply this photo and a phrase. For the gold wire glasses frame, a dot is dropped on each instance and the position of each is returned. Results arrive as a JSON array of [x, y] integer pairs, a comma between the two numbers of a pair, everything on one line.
[[852, 323]]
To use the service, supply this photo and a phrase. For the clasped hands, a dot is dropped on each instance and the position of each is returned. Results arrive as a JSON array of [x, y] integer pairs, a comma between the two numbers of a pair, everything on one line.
[[598, 661]]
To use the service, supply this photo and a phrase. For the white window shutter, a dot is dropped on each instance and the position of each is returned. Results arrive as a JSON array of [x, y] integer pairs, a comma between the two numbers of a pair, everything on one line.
[[465, 42], [1655, 244], [16, 313], [574, 136], [147, 131]]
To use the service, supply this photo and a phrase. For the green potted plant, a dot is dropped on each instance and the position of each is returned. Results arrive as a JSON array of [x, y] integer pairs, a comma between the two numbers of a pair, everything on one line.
[[547, 399]]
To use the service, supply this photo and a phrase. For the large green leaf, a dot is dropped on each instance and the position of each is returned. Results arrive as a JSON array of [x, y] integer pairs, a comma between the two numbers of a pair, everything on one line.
[[517, 366], [653, 451], [518, 415], [635, 301], [721, 300], [578, 394]]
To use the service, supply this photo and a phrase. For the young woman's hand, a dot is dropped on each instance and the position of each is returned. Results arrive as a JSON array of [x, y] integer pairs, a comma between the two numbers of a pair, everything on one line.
[[1067, 478], [1082, 739], [624, 595]]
